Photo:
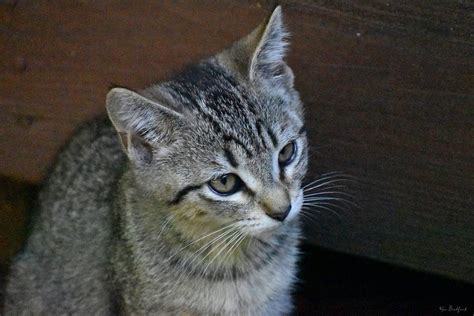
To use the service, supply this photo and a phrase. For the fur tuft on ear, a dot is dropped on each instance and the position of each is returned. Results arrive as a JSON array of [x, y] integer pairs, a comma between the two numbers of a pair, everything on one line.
[[144, 126], [259, 57], [267, 59]]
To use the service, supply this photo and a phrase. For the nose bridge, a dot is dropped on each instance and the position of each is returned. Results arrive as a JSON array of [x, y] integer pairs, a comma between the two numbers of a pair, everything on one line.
[[275, 198], [276, 192]]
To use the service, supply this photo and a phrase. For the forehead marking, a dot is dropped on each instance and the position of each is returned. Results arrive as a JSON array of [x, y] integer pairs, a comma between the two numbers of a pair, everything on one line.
[[229, 108], [228, 138], [272, 137], [183, 192], [230, 158], [258, 125]]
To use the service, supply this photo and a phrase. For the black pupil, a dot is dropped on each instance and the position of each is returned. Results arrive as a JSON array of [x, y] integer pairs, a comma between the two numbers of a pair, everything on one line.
[[286, 152], [226, 184], [224, 180]]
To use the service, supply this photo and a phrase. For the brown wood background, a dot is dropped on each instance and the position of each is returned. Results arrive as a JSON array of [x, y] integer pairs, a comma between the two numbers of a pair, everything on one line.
[[388, 88]]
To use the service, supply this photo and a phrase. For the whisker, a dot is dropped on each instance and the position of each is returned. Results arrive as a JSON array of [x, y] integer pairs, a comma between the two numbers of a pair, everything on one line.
[[311, 213], [168, 220], [165, 224], [201, 238], [223, 236], [329, 209], [332, 187], [323, 177], [326, 183], [342, 200], [311, 217], [235, 246], [227, 242], [327, 192], [222, 242], [309, 209], [194, 256], [231, 250], [327, 203]]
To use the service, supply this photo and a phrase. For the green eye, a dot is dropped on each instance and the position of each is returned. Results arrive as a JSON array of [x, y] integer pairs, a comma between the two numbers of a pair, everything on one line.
[[226, 185], [287, 154]]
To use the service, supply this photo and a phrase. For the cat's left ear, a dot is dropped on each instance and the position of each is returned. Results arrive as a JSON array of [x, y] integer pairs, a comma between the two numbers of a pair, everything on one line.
[[260, 55], [146, 127]]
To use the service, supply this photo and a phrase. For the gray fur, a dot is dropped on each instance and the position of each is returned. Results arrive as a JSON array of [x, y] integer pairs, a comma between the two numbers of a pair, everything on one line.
[[127, 232]]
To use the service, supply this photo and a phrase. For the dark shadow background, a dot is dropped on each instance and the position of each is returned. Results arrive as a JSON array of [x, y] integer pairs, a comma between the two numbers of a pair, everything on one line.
[[388, 90]]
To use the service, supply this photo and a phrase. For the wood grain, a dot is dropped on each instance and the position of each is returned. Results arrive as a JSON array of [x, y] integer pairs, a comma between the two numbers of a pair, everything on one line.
[[388, 88]]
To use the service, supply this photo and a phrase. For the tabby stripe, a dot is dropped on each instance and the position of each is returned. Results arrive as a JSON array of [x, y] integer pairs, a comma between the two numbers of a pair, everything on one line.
[[181, 194], [230, 157], [218, 129], [228, 138], [213, 122], [260, 134], [272, 137], [282, 175], [302, 130], [250, 104], [300, 160]]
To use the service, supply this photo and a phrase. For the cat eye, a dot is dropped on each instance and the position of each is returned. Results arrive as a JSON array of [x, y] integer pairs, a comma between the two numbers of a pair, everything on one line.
[[226, 185], [287, 154]]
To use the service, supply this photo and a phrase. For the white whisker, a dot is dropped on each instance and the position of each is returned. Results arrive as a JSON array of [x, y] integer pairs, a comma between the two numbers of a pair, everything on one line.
[[327, 192], [227, 242], [325, 176], [311, 217], [339, 199], [223, 236], [325, 184], [329, 204], [230, 251], [201, 238], [329, 209]]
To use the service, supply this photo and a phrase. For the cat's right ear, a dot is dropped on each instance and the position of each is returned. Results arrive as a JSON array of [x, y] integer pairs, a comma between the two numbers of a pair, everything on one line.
[[145, 127]]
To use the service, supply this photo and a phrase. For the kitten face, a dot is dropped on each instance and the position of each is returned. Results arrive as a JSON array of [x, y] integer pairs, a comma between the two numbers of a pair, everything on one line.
[[224, 141], [235, 129]]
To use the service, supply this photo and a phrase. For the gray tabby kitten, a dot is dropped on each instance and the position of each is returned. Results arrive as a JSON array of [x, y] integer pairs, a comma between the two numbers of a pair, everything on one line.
[[198, 217]]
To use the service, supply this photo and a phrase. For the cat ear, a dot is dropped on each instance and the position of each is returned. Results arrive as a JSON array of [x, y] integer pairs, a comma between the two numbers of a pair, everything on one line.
[[260, 55], [145, 127], [271, 45]]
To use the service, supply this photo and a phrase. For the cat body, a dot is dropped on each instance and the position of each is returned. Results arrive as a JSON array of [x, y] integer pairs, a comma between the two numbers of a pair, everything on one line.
[[192, 210], [64, 268]]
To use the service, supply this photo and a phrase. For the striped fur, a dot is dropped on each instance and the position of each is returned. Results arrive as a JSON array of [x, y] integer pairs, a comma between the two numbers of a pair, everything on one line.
[[146, 235]]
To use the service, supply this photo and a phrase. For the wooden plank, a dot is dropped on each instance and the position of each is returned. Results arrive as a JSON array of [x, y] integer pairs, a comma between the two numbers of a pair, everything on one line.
[[388, 88]]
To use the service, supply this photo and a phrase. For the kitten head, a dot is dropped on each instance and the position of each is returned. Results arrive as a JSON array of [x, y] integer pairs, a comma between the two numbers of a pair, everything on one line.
[[223, 142]]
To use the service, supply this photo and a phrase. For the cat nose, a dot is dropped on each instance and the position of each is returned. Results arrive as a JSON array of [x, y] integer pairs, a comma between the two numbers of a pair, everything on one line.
[[280, 216]]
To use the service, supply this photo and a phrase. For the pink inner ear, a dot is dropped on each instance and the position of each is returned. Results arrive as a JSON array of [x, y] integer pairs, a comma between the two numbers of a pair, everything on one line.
[[141, 149], [124, 139]]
